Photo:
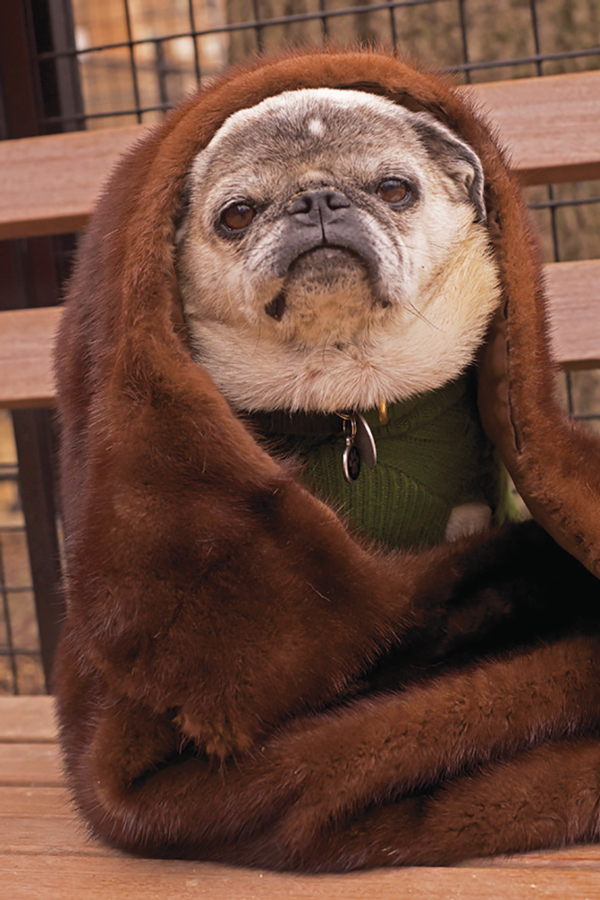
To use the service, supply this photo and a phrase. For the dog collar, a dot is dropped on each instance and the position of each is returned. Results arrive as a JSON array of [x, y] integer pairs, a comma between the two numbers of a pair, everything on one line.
[[353, 426], [359, 441], [404, 415]]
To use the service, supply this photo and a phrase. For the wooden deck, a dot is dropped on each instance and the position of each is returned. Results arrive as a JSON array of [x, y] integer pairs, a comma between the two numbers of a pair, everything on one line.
[[45, 853]]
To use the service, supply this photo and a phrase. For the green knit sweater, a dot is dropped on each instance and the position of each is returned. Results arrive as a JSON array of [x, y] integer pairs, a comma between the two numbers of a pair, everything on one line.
[[432, 456]]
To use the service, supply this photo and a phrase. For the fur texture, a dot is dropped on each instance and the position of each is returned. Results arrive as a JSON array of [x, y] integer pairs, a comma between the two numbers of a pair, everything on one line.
[[239, 678]]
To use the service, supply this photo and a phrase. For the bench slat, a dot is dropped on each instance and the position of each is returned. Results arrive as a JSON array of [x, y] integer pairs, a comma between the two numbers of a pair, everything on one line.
[[62, 878], [550, 126], [41, 834], [28, 720], [26, 342], [574, 292], [34, 802], [27, 335], [30, 764], [49, 184]]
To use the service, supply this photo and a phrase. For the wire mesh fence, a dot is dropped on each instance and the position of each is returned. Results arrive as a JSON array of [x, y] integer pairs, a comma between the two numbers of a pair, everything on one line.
[[135, 59], [125, 61], [21, 669]]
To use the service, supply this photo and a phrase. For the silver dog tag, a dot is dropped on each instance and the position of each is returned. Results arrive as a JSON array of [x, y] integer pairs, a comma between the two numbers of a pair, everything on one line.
[[360, 445], [365, 442]]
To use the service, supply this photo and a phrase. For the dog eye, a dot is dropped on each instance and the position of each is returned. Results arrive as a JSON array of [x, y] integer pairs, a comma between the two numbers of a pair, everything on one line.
[[393, 190], [237, 216]]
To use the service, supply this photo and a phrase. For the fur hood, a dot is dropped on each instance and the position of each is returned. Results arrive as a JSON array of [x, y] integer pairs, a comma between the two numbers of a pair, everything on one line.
[[204, 582]]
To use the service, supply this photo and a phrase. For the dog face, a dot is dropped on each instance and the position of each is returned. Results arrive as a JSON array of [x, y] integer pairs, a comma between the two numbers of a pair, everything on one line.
[[333, 255]]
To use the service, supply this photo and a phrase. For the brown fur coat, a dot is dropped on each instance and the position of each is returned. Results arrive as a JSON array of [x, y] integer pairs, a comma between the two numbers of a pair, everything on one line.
[[239, 678]]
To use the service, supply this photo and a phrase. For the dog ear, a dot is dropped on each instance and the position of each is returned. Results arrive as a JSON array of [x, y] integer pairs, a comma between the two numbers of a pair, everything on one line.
[[460, 162]]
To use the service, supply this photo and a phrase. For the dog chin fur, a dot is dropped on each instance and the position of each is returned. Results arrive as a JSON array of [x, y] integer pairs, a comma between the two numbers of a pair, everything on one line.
[[404, 350], [339, 346]]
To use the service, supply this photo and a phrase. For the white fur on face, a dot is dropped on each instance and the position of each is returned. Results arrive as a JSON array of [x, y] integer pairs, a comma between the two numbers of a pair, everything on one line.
[[411, 323]]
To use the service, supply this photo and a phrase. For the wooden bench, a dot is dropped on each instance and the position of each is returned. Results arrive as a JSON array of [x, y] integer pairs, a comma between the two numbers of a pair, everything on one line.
[[47, 186]]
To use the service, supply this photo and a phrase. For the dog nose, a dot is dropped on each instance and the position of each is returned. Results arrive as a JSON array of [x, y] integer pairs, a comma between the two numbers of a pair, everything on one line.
[[315, 205], [321, 217]]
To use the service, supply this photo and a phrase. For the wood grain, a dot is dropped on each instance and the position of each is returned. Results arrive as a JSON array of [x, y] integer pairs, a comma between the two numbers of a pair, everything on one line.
[[34, 801], [26, 342], [574, 294], [27, 719], [57, 877], [550, 127], [30, 764], [48, 185], [39, 835]]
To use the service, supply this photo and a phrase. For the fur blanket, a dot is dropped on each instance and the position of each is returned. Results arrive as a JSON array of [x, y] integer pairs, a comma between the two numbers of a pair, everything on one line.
[[242, 679]]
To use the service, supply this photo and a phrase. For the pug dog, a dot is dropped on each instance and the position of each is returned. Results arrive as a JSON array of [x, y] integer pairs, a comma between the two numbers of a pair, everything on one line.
[[333, 258]]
